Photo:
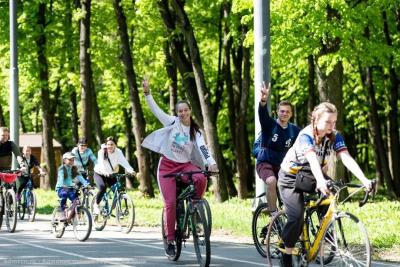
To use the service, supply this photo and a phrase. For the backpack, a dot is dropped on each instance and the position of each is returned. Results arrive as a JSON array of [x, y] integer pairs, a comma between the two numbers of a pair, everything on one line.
[[257, 146]]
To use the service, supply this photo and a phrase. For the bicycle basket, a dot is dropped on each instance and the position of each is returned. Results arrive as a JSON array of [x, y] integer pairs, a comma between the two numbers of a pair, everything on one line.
[[8, 177]]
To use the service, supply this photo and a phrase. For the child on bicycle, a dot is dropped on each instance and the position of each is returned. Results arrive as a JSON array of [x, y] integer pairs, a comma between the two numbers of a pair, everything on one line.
[[67, 173], [314, 142], [183, 149]]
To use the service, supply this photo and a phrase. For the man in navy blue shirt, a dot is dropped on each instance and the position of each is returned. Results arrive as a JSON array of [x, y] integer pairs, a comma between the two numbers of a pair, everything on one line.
[[277, 136]]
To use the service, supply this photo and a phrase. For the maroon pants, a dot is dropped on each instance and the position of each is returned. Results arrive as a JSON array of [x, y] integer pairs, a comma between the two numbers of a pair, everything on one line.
[[168, 189]]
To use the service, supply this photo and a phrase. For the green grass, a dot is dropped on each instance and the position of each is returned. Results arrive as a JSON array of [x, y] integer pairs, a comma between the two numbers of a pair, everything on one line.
[[233, 217]]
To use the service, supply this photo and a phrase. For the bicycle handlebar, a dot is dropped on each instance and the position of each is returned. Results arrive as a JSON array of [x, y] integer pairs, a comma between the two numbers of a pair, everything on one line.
[[181, 174], [17, 171], [367, 193]]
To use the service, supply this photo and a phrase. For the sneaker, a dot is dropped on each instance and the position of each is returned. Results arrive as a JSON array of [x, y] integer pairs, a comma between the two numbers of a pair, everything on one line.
[[96, 209], [62, 216], [170, 252]]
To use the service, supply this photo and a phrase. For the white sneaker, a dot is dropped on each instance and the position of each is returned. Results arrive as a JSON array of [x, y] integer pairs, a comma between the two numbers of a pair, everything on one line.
[[96, 209]]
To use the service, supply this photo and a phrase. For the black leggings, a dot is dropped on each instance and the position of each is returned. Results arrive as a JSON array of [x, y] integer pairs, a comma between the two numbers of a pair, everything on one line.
[[21, 183], [102, 182], [294, 207]]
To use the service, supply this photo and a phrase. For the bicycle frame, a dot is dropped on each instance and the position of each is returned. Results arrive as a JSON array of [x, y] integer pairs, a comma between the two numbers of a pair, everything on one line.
[[313, 249], [115, 190], [185, 199]]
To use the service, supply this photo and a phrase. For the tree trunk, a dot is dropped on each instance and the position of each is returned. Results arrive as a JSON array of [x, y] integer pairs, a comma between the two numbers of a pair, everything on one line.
[[179, 57], [243, 133], [97, 120], [21, 120], [86, 70], [173, 79], [74, 115], [2, 120], [227, 76], [394, 148], [69, 50], [219, 185], [376, 131], [139, 124], [47, 115]]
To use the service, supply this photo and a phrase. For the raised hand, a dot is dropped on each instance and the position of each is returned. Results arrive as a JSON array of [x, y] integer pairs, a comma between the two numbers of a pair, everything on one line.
[[146, 87], [265, 91]]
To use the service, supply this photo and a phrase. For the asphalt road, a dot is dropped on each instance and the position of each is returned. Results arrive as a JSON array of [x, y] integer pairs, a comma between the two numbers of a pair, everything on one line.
[[34, 245]]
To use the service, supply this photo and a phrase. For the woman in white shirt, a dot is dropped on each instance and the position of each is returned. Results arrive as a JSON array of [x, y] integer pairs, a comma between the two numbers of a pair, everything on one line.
[[183, 149], [109, 157]]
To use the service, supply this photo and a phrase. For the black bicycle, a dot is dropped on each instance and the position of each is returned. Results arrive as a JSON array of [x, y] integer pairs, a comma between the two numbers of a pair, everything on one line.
[[193, 216], [28, 202], [8, 202], [121, 203]]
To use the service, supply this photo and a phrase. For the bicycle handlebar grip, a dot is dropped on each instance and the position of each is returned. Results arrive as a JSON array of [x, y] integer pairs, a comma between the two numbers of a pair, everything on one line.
[[367, 192]]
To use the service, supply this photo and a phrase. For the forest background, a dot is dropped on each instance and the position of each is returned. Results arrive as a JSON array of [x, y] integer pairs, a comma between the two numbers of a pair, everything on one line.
[[81, 65]]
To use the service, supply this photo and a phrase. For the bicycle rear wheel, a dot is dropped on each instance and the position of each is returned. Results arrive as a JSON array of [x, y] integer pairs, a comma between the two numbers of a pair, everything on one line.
[[178, 237], [274, 242], [10, 210], [125, 213], [22, 205], [345, 242], [259, 228], [82, 224], [57, 226], [201, 237], [100, 220], [31, 205]]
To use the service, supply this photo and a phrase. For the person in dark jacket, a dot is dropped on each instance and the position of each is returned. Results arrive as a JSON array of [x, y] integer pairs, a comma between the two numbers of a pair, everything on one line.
[[277, 136]]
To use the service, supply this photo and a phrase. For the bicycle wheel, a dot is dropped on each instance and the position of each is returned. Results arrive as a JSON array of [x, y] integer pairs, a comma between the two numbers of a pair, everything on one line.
[[22, 205], [201, 237], [57, 226], [31, 205], [274, 242], [178, 238], [125, 213], [345, 242], [100, 220], [1, 207], [259, 228], [82, 224], [10, 210], [207, 212]]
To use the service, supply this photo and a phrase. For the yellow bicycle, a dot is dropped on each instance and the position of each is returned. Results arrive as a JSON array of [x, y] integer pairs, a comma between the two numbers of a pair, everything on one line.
[[330, 237]]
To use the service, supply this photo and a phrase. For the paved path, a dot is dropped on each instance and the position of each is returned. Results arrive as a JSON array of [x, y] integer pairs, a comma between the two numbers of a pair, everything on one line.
[[34, 245]]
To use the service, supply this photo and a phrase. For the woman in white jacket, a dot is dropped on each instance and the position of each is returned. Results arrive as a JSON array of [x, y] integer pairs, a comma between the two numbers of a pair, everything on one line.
[[108, 159], [183, 149]]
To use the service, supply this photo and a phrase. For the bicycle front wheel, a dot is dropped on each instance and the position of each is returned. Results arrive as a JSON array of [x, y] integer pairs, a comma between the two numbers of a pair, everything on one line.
[[125, 213], [82, 224], [57, 226], [31, 205], [259, 228], [100, 220], [201, 237], [1, 208], [207, 213], [345, 242], [274, 242], [10, 210]]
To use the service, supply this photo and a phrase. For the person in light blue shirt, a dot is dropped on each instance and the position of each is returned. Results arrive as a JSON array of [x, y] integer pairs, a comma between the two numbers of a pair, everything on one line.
[[67, 173], [82, 156]]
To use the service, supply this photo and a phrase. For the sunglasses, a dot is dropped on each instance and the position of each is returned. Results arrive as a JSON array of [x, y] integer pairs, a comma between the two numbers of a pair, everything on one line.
[[83, 144]]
